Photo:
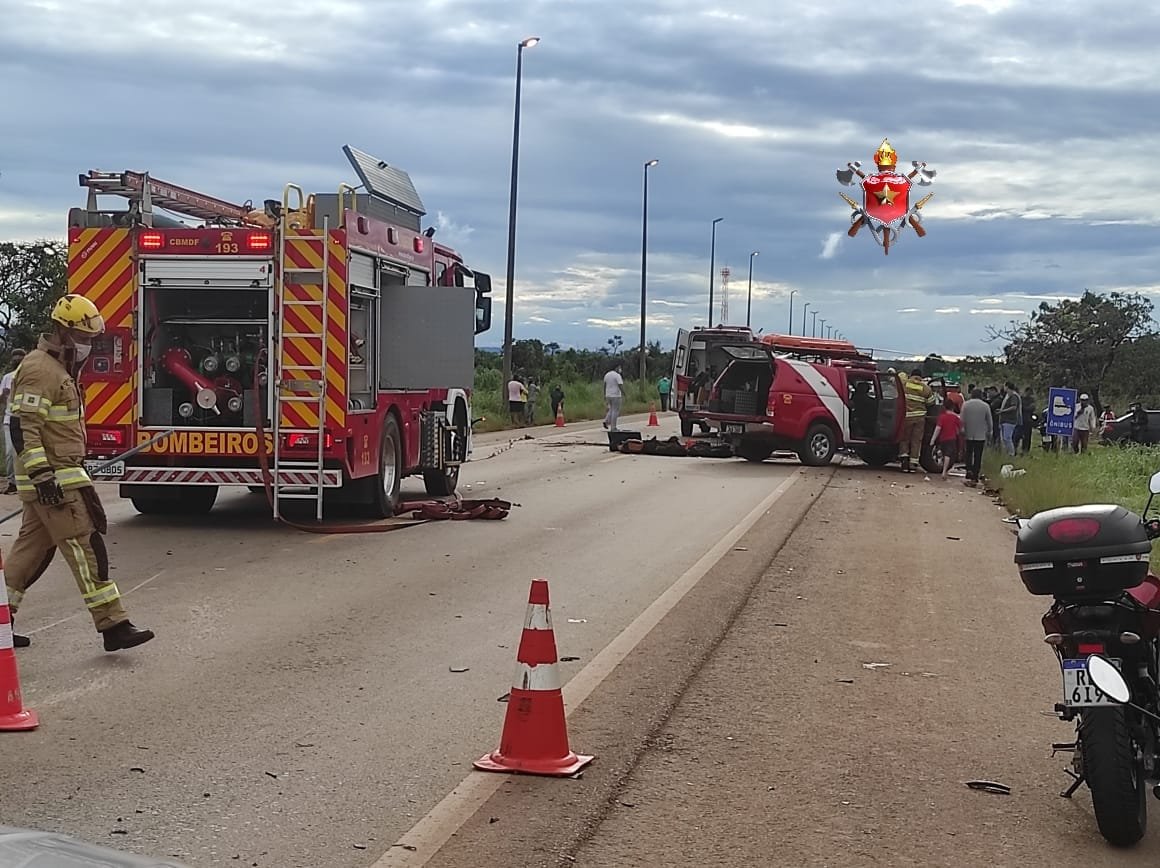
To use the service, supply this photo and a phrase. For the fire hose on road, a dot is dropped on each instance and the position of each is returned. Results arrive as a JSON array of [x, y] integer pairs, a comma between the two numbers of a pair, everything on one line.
[[129, 453], [422, 511]]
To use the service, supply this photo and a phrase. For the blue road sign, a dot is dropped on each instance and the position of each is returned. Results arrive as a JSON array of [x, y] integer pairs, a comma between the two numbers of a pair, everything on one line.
[[1060, 412]]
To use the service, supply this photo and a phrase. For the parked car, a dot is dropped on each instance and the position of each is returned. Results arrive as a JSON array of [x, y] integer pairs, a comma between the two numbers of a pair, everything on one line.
[[1120, 430]]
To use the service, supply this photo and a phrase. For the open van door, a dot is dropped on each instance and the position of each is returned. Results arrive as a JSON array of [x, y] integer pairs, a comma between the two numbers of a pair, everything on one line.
[[891, 408], [680, 369]]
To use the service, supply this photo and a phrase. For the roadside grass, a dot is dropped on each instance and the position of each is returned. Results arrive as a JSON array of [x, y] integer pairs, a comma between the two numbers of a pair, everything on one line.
[[582, 402], [1105, 474]]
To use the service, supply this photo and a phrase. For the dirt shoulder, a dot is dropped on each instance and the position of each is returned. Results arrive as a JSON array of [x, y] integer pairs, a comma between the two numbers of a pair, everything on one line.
[[789, 747]]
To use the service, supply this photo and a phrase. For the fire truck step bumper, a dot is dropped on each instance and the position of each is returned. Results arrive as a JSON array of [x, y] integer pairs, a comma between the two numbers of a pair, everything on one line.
[[223, 476]]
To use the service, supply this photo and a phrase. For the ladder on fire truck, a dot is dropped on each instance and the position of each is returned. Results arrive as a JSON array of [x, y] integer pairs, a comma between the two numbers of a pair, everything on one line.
[[298, 384], [144, 192]]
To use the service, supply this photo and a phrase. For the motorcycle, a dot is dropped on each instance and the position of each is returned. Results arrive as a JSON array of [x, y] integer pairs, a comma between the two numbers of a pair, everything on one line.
[[1093, 561]]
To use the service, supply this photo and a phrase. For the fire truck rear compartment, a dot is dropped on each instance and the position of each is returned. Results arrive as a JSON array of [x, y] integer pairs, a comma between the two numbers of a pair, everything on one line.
[[202, 356], [743, 388]]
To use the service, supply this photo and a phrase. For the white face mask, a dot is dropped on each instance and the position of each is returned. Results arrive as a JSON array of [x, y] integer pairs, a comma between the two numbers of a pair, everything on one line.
[[82, 351]]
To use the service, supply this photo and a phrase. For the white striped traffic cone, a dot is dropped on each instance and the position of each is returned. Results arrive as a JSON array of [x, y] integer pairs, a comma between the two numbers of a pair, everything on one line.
[[535, 734], [13, 715]]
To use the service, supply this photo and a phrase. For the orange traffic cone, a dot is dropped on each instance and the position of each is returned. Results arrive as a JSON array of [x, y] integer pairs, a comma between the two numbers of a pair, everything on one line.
[[535, 734], [13, 715], [560, 416], [652, 415]]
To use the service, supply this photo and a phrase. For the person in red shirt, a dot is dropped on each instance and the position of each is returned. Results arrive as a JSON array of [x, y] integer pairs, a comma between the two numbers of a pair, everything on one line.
[[946, 435]]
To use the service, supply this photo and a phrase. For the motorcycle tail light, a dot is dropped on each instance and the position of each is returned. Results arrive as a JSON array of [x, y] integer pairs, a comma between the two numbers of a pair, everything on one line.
[[1129, 638], [1091, 648], [1073, 530]]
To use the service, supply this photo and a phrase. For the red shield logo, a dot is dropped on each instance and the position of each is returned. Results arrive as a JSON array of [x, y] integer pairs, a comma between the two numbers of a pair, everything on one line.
[[887, 197]]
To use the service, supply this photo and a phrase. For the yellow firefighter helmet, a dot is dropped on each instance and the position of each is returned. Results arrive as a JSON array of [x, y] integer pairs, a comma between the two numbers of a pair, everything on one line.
[[77, 312]]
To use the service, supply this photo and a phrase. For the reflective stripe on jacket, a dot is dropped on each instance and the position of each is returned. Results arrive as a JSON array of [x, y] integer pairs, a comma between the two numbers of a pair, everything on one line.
[[919, 396], [47, 403]]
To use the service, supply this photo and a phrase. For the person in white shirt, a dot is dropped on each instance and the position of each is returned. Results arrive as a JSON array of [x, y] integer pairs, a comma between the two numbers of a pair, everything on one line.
[[1085, 423], [516, 400], [6, 397], [613, 395]]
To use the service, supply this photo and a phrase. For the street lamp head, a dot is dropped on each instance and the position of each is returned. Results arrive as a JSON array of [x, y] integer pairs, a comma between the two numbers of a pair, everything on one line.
[[754, 253], [651, 163], [530, 41], [719, 219]]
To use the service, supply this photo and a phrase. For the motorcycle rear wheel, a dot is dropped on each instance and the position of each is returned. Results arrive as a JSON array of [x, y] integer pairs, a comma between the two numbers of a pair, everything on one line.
[[1115, 775]]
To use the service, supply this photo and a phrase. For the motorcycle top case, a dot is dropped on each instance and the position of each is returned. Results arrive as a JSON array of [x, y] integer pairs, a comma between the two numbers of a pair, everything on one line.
[[1082, 550]]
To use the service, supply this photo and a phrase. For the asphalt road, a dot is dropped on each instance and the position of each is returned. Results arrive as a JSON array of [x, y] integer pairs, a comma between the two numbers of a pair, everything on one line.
[[888, 655], [298, 707]]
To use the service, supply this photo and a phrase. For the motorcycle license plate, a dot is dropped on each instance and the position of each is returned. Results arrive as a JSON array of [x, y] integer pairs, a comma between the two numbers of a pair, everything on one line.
[[113, 471], [734, 428], [1078, 691]]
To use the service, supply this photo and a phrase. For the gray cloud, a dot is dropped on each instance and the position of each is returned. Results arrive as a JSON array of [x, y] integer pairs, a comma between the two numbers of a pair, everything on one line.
[[1034, 114]]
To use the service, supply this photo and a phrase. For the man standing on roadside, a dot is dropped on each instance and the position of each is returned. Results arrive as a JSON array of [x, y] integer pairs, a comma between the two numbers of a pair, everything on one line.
[[919, 396], [556, 396], [613, 394], [516, 403], [977, 423], [1085, 424], [6, 396], [533, 396], [664, 387], [1023, 440], [1010, 415], [1138, 423]]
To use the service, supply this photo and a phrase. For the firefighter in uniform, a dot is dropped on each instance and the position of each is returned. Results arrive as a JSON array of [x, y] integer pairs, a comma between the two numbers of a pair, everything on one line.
[[61, 507], [919, 397]]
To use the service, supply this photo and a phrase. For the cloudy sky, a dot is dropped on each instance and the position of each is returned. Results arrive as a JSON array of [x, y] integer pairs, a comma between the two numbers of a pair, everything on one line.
[[1039, 117]]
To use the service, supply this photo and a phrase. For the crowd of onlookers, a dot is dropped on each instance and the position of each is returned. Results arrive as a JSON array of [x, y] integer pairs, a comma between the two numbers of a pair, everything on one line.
[[522, 398], [1005, 418]]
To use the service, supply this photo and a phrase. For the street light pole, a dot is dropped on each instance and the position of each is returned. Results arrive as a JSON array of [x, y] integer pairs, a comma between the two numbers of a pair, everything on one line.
[[712, 265], [792, 293], [805, 310], [511, 246], [643, 267], [822, 330], [814, 324], [749, 300]]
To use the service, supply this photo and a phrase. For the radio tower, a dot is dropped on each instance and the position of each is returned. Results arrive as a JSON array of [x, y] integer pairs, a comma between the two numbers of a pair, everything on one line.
[[725, 295]]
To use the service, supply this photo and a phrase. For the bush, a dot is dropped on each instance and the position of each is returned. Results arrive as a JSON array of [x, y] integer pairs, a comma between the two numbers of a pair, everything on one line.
[[1105, 474]]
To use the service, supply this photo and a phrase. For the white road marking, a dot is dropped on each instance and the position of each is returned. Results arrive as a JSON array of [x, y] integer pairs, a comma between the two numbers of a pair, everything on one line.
[[422, 841]]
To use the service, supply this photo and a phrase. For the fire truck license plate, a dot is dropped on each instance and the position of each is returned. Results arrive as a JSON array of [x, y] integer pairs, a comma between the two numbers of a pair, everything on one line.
[[734, 428], [112, 471], [1078, 691]]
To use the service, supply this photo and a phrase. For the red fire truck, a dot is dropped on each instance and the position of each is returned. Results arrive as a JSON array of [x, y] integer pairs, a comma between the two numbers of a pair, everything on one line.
[[324, 343]]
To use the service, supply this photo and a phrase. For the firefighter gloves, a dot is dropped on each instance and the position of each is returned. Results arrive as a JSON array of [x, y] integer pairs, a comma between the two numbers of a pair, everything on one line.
[[49, 492]]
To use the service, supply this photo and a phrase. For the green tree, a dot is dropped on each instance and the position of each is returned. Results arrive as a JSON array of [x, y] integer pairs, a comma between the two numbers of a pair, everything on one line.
[[33, 275], [1075, 342], [1134, 375]]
